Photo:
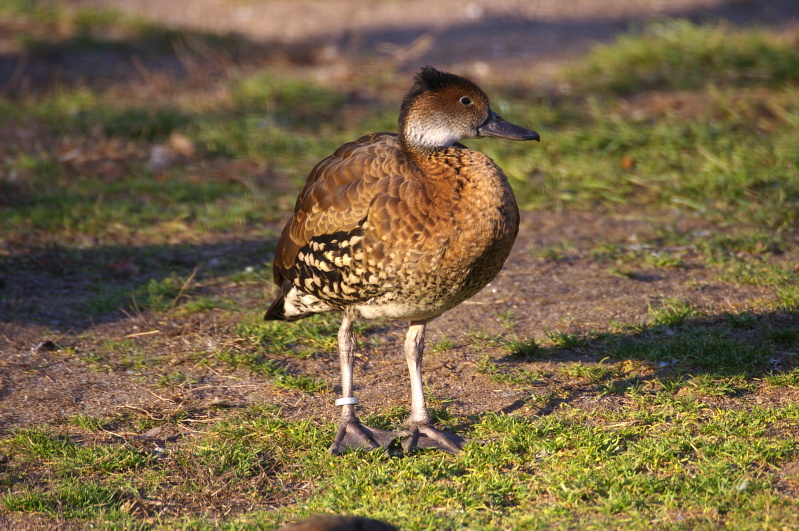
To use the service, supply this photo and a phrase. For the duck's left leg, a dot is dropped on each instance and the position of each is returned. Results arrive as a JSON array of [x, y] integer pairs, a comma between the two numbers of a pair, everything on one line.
[[351, 433], [420, 433]]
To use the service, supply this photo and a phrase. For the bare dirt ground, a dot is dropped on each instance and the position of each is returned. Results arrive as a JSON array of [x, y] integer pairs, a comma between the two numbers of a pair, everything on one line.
[[573, 293], [505, 41]]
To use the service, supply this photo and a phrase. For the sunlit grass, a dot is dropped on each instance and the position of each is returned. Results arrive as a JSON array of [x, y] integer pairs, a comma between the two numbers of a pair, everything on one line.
[[661, 458], [677, 54], [735, 161], [717, 167]]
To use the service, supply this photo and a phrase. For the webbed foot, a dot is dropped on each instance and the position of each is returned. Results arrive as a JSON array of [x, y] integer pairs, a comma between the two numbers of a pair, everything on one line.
[[352, 434], [426, 436]]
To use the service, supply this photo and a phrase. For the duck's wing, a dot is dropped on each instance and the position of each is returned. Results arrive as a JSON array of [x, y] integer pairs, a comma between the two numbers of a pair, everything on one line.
[[337, 198]]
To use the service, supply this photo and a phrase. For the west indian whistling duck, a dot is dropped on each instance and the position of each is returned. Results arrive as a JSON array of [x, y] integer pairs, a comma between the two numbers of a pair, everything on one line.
[[401, 226]]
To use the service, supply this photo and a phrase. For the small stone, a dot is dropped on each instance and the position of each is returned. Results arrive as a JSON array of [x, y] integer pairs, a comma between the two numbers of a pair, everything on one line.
[[161, 157], [153, 432]]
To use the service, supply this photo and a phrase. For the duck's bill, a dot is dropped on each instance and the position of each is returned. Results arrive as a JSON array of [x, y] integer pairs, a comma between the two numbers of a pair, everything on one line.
[[496, 126]]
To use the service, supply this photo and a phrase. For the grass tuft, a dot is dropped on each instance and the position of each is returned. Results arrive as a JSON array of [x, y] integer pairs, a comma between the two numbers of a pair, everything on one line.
[[672, 313], [677, 54], [525, 348]]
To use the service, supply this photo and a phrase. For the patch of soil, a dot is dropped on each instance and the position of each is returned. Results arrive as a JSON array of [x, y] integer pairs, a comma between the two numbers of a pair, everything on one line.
[[47, 377]]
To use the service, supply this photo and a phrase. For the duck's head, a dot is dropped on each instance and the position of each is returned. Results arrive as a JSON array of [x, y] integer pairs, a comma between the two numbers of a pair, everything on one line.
[[442, 108]]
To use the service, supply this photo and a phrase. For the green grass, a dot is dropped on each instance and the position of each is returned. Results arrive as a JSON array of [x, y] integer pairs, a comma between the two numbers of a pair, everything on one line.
[[714, 161], [660, 459], [672, 312], [524, 348], [683, 419], [734, 161], [718, 164], [679, 55], [76, 459], [783, 379], [314, 334], [309, 337], [46, 26], [272, 369]]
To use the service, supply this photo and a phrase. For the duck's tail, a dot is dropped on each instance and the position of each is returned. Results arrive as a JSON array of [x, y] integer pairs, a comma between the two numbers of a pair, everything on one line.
[[292, 304]]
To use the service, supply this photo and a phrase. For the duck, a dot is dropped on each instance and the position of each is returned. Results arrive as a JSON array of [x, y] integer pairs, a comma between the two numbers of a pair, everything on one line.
[[400, 226]]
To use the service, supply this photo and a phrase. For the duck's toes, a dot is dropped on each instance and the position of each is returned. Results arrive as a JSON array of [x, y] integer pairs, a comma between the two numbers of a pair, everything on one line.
[[352, 434], [426, 436]]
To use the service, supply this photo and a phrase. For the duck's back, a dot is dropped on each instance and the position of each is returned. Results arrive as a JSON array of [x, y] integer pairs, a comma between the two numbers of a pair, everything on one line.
[[376, 234]]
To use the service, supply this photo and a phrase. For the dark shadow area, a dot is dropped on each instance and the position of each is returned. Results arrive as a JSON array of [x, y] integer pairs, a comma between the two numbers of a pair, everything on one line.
[[749, 346], [515, 41], [203, 57], [70, 290], [152, 57]]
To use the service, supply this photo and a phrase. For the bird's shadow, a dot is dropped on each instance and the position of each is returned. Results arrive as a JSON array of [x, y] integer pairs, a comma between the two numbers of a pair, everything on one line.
[[717, 359], [69, 290]]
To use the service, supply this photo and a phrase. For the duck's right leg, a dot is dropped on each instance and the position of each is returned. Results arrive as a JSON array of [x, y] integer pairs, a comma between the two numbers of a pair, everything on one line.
[[421, 433], [351, 433]]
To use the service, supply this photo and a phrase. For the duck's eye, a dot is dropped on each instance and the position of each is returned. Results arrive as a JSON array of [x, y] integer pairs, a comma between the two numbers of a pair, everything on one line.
[[465, 100]]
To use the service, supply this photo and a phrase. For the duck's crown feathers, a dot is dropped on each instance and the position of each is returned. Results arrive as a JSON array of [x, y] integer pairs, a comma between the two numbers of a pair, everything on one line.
[[429, 78]]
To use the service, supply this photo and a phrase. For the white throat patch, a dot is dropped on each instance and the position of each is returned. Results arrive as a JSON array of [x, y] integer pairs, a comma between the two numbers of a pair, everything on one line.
[[431, 134]]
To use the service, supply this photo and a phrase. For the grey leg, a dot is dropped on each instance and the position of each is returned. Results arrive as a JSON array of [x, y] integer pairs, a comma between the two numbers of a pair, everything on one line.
[[414, 348], [346, 352], [421, 434], [351, 433]]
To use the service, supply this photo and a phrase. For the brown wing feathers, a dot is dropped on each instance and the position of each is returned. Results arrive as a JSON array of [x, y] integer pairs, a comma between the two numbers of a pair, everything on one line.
[[335, 198], [322, 245]]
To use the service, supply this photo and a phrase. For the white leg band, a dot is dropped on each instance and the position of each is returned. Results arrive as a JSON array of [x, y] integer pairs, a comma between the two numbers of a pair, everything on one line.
[[346, 401]]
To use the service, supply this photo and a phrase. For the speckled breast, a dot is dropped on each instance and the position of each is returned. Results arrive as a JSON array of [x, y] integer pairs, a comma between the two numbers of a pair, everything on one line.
[[465, 237]]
